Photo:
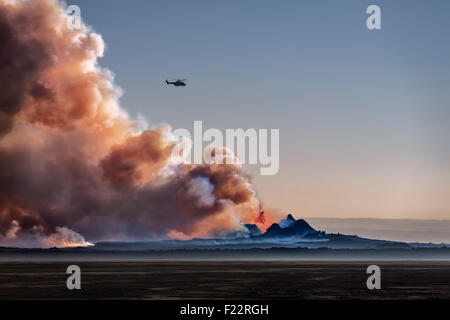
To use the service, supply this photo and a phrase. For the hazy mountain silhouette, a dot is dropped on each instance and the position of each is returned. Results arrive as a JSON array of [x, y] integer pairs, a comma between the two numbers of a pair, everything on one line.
[[289, 233], [291, 228]]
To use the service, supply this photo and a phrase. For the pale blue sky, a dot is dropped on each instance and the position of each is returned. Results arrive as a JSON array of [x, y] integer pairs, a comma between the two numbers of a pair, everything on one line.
[[363, 115]]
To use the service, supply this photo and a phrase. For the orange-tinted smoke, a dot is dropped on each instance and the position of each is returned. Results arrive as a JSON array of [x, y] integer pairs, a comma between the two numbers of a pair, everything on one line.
[[70, 157]]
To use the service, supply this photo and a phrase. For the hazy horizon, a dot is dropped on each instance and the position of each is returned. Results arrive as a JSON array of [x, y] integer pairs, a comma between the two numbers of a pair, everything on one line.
[[406, 230]]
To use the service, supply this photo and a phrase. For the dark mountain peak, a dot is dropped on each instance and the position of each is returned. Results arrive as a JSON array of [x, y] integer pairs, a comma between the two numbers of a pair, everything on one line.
[[288, 222], [290, 227], [302, 224], [274, 227], [290, 217]]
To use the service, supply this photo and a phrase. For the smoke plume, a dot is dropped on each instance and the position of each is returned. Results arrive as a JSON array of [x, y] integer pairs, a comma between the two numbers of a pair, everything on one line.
[[71, 158]]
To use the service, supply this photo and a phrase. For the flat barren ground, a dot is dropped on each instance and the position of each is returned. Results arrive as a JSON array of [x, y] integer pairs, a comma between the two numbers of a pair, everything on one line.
[[225, 280]]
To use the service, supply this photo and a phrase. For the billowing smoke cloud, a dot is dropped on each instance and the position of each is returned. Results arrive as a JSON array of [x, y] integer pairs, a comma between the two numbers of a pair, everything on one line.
[[71, 158], [63, 237]]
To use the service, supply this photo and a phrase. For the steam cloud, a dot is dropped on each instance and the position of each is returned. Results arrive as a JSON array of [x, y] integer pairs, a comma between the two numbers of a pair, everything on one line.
[[70, 157]]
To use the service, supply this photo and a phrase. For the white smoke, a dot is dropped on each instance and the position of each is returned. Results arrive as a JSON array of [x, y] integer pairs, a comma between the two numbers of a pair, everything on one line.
[[62, 237]]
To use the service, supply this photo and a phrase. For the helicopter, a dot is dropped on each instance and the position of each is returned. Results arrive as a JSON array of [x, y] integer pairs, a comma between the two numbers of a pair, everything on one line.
[[177, 82]]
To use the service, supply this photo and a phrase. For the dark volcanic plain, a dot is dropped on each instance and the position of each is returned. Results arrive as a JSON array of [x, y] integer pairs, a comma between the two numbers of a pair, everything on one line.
[[235, 280]]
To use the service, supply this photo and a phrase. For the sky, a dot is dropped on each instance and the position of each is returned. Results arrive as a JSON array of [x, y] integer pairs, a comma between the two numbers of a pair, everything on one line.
[[404, 230], [363, 114]]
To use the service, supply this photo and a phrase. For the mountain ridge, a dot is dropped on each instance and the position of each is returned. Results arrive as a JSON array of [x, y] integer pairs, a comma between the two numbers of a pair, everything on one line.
[[288, 233]]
